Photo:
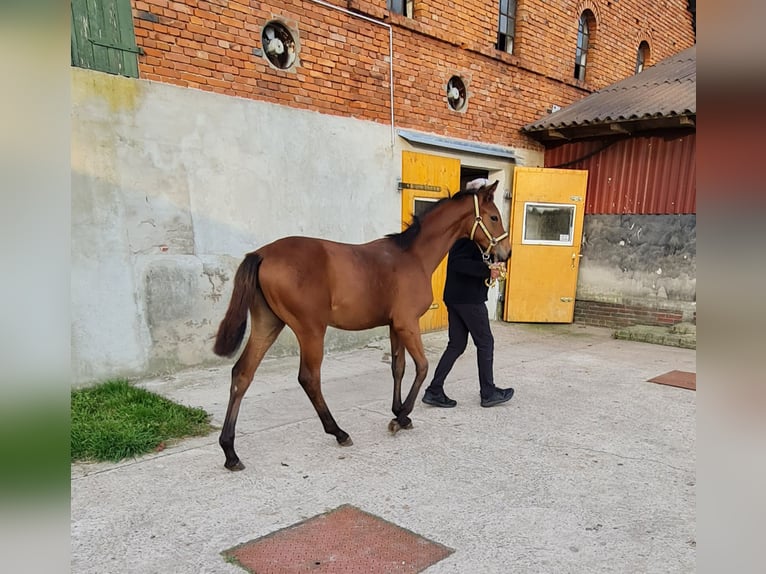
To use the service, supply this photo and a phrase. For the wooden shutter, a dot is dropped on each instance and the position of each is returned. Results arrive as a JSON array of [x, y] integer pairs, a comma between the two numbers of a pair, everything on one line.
[[103, 38]]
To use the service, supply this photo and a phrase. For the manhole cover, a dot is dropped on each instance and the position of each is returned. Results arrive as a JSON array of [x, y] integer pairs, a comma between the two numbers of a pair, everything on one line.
[[682, 379], [343, 541]]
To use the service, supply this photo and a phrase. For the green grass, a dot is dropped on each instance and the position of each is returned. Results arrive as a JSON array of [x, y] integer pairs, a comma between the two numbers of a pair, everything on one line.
[[115, 420]]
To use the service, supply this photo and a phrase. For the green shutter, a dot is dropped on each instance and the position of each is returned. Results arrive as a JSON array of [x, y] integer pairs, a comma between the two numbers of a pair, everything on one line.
[[103, 38]]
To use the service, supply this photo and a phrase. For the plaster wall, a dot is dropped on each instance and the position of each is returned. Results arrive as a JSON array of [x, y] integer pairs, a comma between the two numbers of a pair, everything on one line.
[[644, 260], [172, 186]]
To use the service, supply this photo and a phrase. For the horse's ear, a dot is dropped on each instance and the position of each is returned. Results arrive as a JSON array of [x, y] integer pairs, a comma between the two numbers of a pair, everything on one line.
[[488, 192]]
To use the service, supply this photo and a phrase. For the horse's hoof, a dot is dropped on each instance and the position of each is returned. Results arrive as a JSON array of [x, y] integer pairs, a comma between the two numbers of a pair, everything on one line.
[[236, 466], [347, 442], [394, 426], [404, 423]]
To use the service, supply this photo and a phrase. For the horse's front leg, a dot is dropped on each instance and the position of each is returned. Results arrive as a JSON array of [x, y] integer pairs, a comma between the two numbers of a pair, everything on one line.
[[397, 369], [409, 336]]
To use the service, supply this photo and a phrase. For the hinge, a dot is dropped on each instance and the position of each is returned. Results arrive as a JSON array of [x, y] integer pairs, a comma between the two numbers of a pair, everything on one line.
[[133, 50]]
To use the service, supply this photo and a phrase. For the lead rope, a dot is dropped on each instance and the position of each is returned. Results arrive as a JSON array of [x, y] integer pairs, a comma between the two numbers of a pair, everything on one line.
[[478, 222], [498, 266]]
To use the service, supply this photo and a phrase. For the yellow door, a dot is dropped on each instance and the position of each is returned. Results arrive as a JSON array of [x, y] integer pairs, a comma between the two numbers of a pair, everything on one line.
[[546, 233], [425, 180]]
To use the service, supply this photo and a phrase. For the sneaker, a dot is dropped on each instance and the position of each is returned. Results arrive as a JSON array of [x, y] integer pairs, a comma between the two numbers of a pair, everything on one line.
[[438, 400], [498, 397]]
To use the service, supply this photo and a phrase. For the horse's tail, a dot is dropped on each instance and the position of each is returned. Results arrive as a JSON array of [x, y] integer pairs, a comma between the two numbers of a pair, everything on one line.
[[232, 329]]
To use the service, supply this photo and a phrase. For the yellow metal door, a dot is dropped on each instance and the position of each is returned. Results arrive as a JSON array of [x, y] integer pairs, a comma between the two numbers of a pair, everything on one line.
[[425, 180], [546, 234]]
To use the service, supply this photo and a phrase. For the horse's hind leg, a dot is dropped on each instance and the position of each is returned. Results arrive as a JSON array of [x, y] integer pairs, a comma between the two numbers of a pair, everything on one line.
[[309, 376], [265, 328], [410, 338]]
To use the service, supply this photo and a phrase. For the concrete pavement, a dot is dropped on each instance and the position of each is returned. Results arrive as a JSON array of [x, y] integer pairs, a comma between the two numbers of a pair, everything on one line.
[[588, 469]]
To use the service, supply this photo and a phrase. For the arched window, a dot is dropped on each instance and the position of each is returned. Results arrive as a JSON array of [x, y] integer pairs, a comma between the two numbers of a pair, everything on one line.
[[403, 7], [506, 26], [643, 56], [584, 29]]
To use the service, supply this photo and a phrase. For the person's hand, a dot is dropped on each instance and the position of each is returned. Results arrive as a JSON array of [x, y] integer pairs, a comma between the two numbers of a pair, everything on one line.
[[494, 273]]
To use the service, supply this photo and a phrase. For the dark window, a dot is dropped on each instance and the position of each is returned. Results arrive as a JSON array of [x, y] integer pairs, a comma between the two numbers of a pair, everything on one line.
[[102, 37], [506, 27], [584, 29], [691, 6], [643, 56], [403, 7]]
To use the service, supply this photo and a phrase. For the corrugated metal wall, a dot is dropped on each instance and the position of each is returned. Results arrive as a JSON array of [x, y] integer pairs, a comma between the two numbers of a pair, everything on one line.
[[641, 175]]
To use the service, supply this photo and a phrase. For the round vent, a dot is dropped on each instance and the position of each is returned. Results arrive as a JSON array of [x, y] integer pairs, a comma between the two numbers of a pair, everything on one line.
[[278, 45], [456, 96]]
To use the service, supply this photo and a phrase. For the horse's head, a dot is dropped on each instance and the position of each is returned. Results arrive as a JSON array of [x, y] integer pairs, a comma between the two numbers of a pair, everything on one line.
[[487, 228]]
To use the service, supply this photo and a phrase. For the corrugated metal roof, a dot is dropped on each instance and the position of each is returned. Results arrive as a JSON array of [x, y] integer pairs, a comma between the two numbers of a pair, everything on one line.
[[667, 89]]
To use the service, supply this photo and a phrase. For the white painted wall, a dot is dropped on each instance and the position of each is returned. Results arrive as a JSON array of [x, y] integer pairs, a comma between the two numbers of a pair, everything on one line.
[[172, 186]]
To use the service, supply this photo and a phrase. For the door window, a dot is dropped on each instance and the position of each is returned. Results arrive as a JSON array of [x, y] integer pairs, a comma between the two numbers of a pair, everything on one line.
[[548, 224], [423, 205]]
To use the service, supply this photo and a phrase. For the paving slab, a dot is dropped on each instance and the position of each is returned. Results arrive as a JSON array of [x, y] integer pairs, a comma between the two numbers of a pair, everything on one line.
[[588, 469]]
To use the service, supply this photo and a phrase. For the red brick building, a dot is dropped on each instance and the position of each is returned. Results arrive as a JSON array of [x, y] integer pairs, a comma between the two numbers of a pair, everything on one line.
[[343, 53]]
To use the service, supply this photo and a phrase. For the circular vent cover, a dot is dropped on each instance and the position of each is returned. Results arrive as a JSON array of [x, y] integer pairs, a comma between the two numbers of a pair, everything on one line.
[[278, 45], [456, 95]]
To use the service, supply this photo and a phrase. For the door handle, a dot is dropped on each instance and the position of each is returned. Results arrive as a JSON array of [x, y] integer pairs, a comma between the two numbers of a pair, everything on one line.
[[574, 258]]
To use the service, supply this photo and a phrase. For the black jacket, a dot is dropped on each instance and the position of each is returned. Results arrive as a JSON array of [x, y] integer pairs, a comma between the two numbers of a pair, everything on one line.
[[466, 272]]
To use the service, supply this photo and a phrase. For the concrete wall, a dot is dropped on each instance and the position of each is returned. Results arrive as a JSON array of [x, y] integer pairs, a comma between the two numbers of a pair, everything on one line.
[[642, 261], [171, 186]]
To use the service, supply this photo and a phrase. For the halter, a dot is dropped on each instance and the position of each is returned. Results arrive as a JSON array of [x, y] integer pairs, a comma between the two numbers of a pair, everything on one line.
[[477, 222]]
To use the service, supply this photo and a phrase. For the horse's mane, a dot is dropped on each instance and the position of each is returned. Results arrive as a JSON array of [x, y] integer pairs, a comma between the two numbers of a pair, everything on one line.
[[404, 239]]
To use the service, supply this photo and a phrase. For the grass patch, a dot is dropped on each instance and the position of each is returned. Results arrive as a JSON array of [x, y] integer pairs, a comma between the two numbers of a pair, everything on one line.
[[115, 420]]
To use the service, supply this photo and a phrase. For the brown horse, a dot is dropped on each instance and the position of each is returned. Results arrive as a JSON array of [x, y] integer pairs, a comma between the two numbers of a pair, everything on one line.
[[308, 284]]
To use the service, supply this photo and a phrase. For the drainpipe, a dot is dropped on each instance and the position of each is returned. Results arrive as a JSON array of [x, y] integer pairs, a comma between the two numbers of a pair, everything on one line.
[[390, 54]]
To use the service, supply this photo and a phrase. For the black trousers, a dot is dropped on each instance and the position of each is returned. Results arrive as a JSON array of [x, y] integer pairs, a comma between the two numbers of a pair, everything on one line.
[[465, 319]]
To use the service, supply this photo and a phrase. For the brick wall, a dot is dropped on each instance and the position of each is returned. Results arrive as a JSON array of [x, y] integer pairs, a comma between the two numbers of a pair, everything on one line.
[[343, 61], [602, 314]]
